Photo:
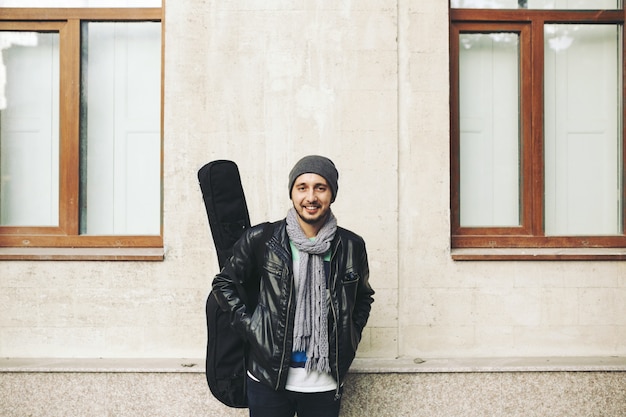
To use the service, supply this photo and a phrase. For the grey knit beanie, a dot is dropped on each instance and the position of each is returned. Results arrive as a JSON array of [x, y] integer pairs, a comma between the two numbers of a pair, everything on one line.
[[315, 164]]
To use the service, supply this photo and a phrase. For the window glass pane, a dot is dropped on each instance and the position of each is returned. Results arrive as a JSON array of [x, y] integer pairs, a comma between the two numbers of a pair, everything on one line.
[[120, 128], [489, 129], [583, 108], [80, 3], [537, 4], [29, 129]]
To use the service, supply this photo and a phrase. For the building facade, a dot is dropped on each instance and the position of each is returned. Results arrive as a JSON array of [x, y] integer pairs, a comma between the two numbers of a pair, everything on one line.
[[367, 84]]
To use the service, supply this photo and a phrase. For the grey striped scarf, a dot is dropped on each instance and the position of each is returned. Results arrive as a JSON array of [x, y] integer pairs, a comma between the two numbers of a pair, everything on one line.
[[311, 322]]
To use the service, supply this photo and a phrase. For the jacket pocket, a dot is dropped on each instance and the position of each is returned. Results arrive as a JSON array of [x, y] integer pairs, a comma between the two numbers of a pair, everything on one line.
[[261, 337], [350, 277], [349, 286]]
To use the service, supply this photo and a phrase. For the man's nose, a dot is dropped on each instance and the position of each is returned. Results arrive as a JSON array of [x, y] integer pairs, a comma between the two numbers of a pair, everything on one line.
[[311, 196]]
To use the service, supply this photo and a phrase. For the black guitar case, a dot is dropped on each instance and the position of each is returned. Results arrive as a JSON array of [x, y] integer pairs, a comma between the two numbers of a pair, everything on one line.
[[225, 205], [228, 218]]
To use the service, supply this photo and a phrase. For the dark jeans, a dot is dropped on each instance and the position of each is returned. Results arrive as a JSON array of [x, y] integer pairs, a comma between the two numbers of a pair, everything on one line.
[[265, 402]]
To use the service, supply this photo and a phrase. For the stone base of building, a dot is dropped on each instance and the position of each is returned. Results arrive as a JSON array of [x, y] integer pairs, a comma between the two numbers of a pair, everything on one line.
[[413, 388]]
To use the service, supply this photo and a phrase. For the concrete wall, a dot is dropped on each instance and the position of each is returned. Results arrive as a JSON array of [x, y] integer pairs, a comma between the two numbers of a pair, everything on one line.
[[365, 83]]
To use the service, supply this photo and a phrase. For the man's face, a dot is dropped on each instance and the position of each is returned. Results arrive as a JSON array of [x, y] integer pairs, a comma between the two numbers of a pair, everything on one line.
[[311, 196]]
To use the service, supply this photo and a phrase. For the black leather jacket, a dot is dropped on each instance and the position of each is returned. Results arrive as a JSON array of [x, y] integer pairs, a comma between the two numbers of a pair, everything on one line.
[[268, 327]]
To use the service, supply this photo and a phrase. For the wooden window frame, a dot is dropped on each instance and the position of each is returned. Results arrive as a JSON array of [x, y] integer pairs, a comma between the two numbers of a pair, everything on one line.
[[65, 242], [528, 241]]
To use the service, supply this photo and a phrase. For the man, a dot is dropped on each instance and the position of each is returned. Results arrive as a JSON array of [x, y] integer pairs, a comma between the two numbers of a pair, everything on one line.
[[314, 299]]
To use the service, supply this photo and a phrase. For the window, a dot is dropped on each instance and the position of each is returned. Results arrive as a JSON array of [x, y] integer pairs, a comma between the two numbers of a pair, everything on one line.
[[80, 131], [537, 133]]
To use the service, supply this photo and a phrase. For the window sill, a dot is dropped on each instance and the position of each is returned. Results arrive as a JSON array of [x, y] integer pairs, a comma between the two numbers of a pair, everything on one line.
[[82, 254], [539, 254]]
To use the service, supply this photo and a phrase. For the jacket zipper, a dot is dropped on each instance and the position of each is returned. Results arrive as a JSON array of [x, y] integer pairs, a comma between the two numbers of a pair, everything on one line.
[[337, 394], [282, 360], [332, 307]]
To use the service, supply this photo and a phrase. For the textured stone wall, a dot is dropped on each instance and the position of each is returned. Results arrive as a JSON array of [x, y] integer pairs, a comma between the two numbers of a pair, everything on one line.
[[552, 394]]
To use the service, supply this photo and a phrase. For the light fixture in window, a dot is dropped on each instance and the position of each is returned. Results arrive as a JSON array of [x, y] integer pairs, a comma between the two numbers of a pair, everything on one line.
[[7, 40]]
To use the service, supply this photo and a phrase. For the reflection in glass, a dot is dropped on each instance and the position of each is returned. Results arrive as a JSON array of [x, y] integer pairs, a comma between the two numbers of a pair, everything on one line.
[[120, 128], [582, 129], [489, 130], [29, 129]]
